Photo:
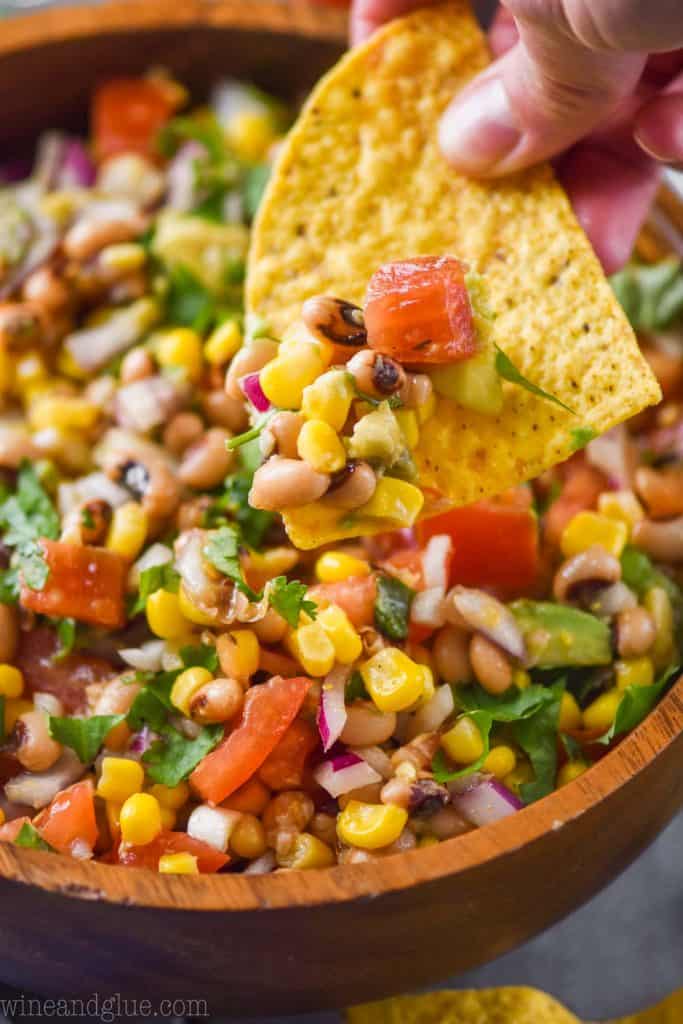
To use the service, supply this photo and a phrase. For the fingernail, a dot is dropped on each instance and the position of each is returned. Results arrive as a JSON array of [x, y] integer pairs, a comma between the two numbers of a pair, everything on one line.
[[478, 130]]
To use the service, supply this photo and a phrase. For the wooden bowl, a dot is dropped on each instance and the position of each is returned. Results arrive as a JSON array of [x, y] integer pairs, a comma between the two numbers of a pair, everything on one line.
[[292, 942]]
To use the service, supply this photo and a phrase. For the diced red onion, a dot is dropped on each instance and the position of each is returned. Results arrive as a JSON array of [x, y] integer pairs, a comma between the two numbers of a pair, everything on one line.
[[76, 169], [251, 386], [435, 561], [344, 773], [434, 713], [487, 802], [376, 758], [614, 454], [484, 614], [141, 741], [332, 707], [427, 608]]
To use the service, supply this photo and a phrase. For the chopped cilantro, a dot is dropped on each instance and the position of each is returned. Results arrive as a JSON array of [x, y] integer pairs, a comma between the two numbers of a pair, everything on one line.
[[248, 435], [572, 747], [188, 302], [254, 184], [84, 735], [393, 401], [204, 129], [30, 839], [66, 635], [651, 294], [173, 757], [26, 516], [87, 519], [355, 689], [289, 599], [202, 656], [537, 736], [156, 577], [10, 586], [636, 703], [580, 437], [392, 607], [222, 551], [506, 369]]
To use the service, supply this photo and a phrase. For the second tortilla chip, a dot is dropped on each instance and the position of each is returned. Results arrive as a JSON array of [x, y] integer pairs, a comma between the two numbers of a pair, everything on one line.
[[361, 181]]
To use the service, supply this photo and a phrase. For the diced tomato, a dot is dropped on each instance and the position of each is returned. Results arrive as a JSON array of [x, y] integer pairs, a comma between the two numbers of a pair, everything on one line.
[[66, 678], [269, 709], [668, 369], [70, 818], [356, 596], [84, 583], [284, 767], [209, 860], [582, 486], [406, 564], [251, 798], [277, 664], [494, 545], [11, 829], [128, 113], [419, 311]]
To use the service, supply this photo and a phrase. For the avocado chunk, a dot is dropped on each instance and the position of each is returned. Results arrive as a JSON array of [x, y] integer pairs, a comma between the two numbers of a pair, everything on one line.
[[558, 636]]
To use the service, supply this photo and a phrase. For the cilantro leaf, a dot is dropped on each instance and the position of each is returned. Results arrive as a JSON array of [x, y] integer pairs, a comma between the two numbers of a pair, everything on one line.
[[202, 656], [248, 435], [25, 517], [34, 568], [84, 735], [355, 689], [66, 635], [188, 302], [511, 706], [506, 369], [651, 295], [10, 586], [204, 129], [392, 607], [572, 747], [537, 736], [253, 186], [636, 704], [442, 773], [222, 551], [173, 757], [30, 839], [289, 599], [157, 577], [580, 437], [148, 708]]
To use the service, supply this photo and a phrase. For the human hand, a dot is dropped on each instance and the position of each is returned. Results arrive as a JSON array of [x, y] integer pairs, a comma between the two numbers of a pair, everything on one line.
[[598, 84]]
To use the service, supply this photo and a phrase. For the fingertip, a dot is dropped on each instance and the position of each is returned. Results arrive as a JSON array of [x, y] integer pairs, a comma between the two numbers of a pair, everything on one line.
[[503, 33], [659, 128]]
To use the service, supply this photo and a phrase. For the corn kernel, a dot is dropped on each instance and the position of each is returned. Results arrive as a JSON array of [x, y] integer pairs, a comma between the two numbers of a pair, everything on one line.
[[247, 651], [320, 447], [307, 852], [621, 505], [407, 421], [164, 616], [29, 370], [14, 709], [250, 133], [425, 841], [634, 672], [589, 528], [180, 349], [120, 779], [395, 500], [61, 204], [140, 819], [347, 643], [191, 612], [394, 681], [570, 771], [284, 378], [64, 412], [312, 648], [248, 838], [658, 604], [500, 761], [297, 339], [463, 742], [123, 257], [178, 864], [277, 561], [521, 678], [128, 530], [570, 713], [223, 343], [600, 714], [427, 409], [329, 399], [11, 682], [371, 826], [520, 775], [173, 797], [186, 685], [336, 566], [168, 818], [428, 686]]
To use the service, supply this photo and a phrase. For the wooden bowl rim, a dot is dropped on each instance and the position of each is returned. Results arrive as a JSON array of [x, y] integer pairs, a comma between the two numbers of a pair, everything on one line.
[[636, 753]]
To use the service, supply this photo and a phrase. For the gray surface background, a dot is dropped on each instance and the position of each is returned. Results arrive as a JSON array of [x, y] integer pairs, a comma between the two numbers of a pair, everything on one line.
[[619, 953]]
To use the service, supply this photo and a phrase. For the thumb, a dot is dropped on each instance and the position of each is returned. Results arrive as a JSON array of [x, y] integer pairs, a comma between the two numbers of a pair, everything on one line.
[[567, 73]]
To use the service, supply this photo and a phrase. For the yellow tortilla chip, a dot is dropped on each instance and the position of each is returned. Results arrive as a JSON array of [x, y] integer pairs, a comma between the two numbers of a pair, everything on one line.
[[361, 180], [485, 1006]]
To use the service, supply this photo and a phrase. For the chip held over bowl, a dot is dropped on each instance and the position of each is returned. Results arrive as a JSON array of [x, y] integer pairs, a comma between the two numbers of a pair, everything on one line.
[[530, 351]]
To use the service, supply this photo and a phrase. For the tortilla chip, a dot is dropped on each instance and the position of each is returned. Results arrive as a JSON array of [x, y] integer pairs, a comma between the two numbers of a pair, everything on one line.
[[485, 1006], [361, 180]]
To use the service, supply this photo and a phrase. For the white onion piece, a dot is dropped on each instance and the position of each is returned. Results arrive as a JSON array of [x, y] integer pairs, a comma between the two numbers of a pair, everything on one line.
[[81, 850], [427, 608], [212, 825], [435, 559], [376, 758], [262, 865], [48, 703], [353, 773], [146, 404], [332, 707], [156, 554], [487, 802], [93, 347], [434, 713], [614, 454], [181, 177], [483, 613], [130, 176], [93, 487], [146, 658], [613, 599], [230, 97], [37, 789]]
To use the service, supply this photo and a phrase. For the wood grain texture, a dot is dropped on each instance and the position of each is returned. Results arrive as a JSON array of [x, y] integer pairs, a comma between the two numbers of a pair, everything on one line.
[[292, 942]]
